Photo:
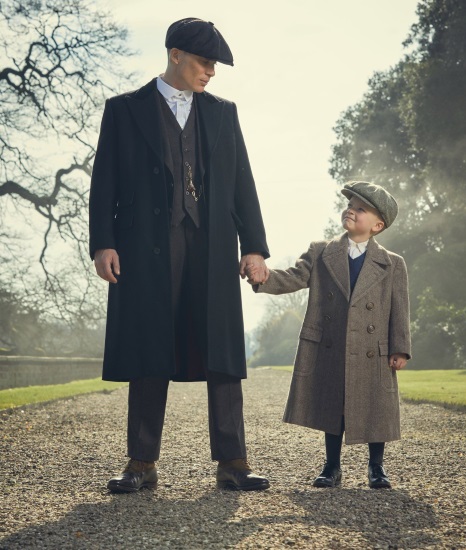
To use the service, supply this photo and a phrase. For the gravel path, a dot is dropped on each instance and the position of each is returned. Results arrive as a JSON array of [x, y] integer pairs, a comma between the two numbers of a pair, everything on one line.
[[57, 458]]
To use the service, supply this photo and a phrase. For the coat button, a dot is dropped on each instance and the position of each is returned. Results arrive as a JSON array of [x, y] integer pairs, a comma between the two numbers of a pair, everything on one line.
[[371, 329], [327, 317], [156, 250], [370, 306], [328, 344], [330, 295], [156, 211], [370, 354], [156, 170]]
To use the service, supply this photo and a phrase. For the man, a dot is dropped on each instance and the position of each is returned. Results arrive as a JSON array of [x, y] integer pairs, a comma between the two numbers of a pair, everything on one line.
[[171, 191]]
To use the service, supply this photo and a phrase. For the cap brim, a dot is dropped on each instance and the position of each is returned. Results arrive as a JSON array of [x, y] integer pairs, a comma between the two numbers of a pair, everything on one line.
[[348, 194]]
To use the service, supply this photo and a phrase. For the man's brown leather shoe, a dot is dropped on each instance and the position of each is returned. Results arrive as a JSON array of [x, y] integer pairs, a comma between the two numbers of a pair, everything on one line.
[[135, 476], [237, 475]]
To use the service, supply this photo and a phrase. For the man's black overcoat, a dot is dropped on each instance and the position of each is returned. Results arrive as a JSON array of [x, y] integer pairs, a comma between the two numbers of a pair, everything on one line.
[[129, 212]]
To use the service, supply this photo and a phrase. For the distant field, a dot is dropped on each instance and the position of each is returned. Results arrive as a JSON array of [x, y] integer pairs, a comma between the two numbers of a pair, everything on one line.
[[17, 397], [446, 387]]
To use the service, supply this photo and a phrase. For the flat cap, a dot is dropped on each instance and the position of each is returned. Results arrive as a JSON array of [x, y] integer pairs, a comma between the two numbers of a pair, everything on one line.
[[200, 38], [375, 196]]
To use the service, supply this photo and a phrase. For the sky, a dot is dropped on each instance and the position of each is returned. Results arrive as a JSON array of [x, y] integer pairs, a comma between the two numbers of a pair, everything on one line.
[[298, 65]]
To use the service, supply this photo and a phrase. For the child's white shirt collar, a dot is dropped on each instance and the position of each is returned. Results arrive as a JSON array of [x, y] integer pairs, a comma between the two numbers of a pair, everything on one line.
[[356, 249]]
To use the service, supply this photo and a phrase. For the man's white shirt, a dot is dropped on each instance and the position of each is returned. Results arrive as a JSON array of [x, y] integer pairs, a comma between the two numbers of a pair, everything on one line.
[[179, 101]]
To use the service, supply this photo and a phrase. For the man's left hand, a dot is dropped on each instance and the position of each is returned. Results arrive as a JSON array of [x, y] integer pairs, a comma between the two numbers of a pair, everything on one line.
[[253, 267]]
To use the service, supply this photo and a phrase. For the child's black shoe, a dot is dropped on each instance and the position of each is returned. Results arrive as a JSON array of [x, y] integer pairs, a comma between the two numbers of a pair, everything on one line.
[[377, 477], [330, 476]]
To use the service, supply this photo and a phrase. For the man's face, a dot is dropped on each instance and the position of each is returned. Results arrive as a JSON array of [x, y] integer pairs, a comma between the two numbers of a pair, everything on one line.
[[192, 71], [360, 220]]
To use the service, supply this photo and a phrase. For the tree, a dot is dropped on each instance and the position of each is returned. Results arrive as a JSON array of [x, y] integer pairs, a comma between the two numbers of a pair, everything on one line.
[[409, 134], [60, 59], [277, 340]]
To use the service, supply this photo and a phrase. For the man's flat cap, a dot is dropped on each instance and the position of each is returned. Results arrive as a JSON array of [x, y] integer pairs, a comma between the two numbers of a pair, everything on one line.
[[200, 38], [375, 196]]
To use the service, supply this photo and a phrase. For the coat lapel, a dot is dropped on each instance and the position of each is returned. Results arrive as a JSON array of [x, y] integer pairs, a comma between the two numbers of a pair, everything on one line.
[[210, 112], [335, 258], [373, 270], [147, 114]]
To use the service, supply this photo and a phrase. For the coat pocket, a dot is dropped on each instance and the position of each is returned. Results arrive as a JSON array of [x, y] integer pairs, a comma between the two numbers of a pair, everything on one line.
[[312, 333], [387, 375], [308, 350], [125, 213], [124, 217]]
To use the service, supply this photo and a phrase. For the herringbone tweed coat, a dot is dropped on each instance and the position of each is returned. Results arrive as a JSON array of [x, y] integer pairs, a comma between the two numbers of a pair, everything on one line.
[[342, 361]]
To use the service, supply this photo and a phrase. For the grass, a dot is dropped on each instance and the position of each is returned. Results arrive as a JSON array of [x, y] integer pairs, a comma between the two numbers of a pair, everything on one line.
[[445, 387], [17, 397]]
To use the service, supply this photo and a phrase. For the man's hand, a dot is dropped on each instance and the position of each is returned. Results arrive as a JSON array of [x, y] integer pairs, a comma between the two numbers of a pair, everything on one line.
[[104, 260], [253, 267], [398, 361]]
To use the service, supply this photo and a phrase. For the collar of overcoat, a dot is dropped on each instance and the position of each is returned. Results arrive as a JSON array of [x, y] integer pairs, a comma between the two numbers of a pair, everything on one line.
[[147, 114], [335, 258]]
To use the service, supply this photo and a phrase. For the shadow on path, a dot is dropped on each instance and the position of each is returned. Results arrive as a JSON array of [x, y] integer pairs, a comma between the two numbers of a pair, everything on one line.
[[388, 517], [147, 520]]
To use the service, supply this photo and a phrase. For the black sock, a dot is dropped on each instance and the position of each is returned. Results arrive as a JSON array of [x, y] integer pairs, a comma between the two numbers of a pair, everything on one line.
[[333, 448], [376, 451]]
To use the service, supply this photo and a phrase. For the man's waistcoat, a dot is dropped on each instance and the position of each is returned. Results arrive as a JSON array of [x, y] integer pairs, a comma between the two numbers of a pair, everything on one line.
[[184, 149]]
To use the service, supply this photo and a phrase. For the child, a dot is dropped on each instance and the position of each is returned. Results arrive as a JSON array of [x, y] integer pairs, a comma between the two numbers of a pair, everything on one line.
[[355, 334]]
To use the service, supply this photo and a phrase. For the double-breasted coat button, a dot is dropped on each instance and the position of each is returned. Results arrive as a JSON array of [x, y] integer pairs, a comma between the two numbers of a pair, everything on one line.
[[370, 354], [156, 250], [330, 295], [156, 211], [371, 329], [328, 344], [327, 317], [156, 170], [370, 306]]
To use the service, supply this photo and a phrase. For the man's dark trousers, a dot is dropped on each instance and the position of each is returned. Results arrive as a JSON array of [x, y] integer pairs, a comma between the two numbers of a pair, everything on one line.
[[148, 396]]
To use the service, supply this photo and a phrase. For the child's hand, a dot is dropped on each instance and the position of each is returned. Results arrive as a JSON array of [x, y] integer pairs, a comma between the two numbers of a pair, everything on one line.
[[254, 268], [398, 361]]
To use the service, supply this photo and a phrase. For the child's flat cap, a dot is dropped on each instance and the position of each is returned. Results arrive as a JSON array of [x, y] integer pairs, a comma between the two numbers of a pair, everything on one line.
[[375, 196]]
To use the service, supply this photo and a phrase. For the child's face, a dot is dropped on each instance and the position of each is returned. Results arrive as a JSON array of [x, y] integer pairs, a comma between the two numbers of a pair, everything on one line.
[[361, 220]]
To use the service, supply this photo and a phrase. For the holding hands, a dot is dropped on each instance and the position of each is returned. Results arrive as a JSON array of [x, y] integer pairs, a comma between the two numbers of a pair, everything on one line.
[[253, 267]]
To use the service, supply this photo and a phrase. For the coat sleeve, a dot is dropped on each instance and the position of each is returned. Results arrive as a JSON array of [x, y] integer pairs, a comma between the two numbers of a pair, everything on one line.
[[102, 198], [248, 215], [399, 335], [292, 279]]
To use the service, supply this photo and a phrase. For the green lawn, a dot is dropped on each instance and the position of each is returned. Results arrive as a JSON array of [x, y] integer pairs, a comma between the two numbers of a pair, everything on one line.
[[447, 387], [434, 386], [16, 397]]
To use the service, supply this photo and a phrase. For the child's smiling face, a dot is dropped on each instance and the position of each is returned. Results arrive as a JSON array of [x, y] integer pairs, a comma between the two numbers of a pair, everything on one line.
[[361, 220]]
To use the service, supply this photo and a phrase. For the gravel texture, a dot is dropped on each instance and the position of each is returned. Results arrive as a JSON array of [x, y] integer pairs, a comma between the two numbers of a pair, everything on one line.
[[57, 458]]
